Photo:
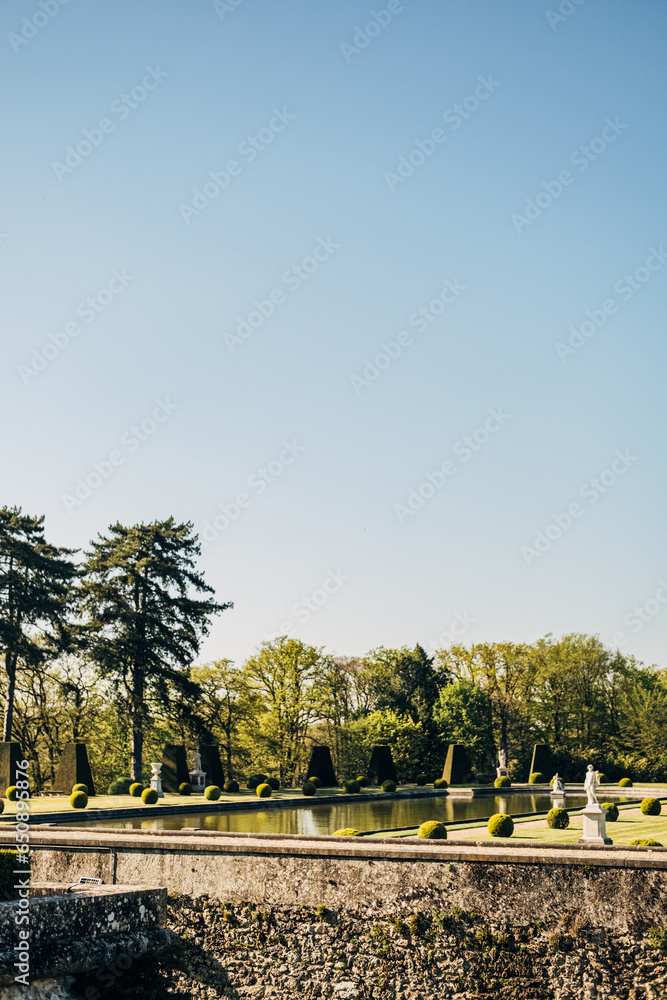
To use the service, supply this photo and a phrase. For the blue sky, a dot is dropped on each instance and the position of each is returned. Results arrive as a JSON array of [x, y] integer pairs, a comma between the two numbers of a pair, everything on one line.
[[416, 203]]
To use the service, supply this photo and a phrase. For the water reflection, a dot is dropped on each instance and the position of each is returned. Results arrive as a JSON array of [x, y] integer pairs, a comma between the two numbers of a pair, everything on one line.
[[379, 814]]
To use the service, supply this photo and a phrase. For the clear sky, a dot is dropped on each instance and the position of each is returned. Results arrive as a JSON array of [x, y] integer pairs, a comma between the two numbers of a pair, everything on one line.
[[380, 288]]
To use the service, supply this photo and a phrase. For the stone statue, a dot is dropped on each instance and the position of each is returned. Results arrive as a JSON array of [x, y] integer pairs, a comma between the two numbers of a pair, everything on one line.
[[502, 758], [558, 787], [590, 784], [197, 759]]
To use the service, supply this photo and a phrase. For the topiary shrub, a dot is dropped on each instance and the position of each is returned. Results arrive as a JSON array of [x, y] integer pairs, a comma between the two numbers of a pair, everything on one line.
[[363, 780], [536, 778], [231, 785], [612, 811], [80, 788], [388, 786], [149, 796], [645, 842], [314, 781], [503, 782], [264, 791], [558, 819], [421, 779], [136, 788], [651, 807], [11, 793], [602, 778], [433, 830], [256, 779], [212, 793], [121, 786], [351, 787], [275, 784], [185, 788], [78, 800], [484, 779], [500, 825], [348, 831], [625, 783], [441, 783], [309, 788]]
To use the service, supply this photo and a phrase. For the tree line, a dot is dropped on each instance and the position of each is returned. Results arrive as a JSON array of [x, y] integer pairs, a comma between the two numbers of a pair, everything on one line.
[[102, 646]]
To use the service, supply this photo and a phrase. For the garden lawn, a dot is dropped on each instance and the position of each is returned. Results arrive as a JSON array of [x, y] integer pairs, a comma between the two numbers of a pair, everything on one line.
[[631, 824]]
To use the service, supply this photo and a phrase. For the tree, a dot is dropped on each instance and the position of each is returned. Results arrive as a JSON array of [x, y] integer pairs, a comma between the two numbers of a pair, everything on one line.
[[463, 713], [227, 705], [36, 581], [144, 627], [406, 681]]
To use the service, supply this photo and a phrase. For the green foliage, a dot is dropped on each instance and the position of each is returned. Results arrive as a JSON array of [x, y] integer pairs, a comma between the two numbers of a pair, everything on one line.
[[503, 782], [405, 682], [351, 787], [644, 842], [2, 806], [500, 825], [315, 781], [121, 786], [149, 796], [212, 793], [625, 783], [78, 800], [463, 714], [11, 793], [256, 779], [483, 778], [275, 784], [185, 788], [558, 819], [309, 788], [421, 779], [348, 831], [612, 811], [363, 780], [80, 788], [651, 807], [602, 778], [441, 783], [136, 788], [11, 860], [410, 743], [536, 778], [432, 830], [231, 785], [657, 937], [388, 786], [264, 791]]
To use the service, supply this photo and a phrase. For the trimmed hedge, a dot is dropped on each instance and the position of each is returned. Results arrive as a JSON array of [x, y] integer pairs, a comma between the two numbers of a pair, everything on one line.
[[80, 788], [231, 785], [309, 788], [558, 819], [212, 793], [275, 784], [651, 807], [612, 811], [256, 779], [500, 825], [645, 842], [185, 788], [484, 779], [348, 831], [536, 778], [264, 791], [351, 787], [314, 780], [388, 786], [441, 783], [121, 786], [9, 861], [432, 830], [421, 779], [503, 782], [136, 788], [149, 796], [78, 800], [625, 783], [11, 793], [362, 779]]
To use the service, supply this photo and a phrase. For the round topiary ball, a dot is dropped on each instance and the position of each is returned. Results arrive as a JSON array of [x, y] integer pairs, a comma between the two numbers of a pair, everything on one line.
[[309, 788], [645, 842], [536, 778], [136, 788], [11, 793], [351, 787], [433, 830], [503, 782], [363, 780], [2, 805], [212, 793], [348, 831], [612, 811], [80, 788], [275, 784], [256, 779], [558, 819], [651, 807], [264, 791], [314, 780], [78, 800], [602, 778], [185, 788], [421, 779], [625, 783], [149, 796], [388, 786], [500, 825], [441, 783], [231, 785]]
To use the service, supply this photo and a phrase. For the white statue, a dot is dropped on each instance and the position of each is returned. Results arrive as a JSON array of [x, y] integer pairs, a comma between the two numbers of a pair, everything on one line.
[[502, 758], [156, 779], [590, 784], [197, 759], [558, 786]]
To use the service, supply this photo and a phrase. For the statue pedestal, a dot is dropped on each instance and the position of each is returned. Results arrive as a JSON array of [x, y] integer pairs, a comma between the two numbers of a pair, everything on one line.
[[595, 825], [156, 779], [502, 772], [198, 780]]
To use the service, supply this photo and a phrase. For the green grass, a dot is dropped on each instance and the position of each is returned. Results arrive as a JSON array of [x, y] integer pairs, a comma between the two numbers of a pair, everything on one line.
[[626, 828]]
